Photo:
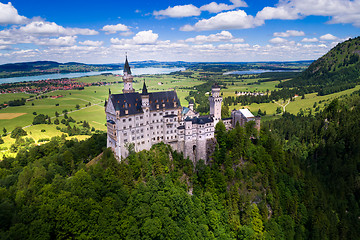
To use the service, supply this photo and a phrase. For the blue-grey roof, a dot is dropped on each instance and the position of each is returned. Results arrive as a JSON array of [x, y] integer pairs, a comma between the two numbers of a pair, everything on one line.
[[185, 110], [132, 101], [200, 120], [127, 67]]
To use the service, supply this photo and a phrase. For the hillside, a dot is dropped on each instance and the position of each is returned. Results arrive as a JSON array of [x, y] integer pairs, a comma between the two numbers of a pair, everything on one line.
[[337, 70], [297, 179], [48, 67]]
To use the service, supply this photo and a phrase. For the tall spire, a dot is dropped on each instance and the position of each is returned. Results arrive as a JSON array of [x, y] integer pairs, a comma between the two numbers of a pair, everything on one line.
[[144, 90], [127, 78], [127, 66]]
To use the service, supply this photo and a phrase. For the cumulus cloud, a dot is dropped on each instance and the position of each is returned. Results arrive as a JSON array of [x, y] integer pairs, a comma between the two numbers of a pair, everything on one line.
[[277, 40], [9, 15], [61, 41], [226, 20], [145, 37], [289, 33], [328, 37], [179, 11], [214, 7], [218, 37], [280, 12], [141, 38], [339, 11], [91, 43], [310, 40], [115, 28], [52, 29]]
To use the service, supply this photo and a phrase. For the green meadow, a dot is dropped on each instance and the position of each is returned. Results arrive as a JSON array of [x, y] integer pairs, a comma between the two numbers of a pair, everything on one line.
[[91, 102]]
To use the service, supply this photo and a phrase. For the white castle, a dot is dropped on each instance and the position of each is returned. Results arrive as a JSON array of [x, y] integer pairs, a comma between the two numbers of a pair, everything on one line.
[[145, 119]]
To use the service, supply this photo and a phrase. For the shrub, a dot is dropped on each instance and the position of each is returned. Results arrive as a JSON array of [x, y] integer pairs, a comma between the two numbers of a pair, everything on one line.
[[39, 119], [18, 132]]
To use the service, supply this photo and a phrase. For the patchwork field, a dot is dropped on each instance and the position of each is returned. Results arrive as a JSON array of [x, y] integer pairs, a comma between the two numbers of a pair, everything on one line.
[[91, 103], [10, 115]]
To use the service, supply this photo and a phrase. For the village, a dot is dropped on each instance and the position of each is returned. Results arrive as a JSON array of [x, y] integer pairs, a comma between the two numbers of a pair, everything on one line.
[[49, 85]]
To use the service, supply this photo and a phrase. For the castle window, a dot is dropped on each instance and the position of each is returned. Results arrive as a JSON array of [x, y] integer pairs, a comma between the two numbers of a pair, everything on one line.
[[124, 120], [141, 117], [125, 140]]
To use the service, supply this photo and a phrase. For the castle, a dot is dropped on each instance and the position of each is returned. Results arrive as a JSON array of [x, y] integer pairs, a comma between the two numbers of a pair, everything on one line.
[[146, 118]]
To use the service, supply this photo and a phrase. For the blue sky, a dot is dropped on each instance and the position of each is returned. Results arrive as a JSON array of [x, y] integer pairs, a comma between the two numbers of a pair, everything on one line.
[[233, 30]]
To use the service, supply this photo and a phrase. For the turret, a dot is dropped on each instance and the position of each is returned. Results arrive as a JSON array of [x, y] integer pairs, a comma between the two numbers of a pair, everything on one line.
[[127, 78], [215, 103], [145, 98], [257, 122]]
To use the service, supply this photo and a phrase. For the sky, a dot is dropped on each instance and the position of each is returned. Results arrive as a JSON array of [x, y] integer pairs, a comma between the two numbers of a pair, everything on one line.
[[196, 31]]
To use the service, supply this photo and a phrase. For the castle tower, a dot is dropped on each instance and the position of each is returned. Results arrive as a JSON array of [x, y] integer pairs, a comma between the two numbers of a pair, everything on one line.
[[215, 103], [145, 105], [257, 122], [127, 78]]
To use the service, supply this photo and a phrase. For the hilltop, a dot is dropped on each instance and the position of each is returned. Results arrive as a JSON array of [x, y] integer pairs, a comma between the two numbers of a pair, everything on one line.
[[337, 70]]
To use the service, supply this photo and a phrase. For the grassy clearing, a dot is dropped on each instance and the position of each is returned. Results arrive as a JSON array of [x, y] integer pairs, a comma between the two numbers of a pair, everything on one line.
[[96, 96], [5, 97], [295, 106]]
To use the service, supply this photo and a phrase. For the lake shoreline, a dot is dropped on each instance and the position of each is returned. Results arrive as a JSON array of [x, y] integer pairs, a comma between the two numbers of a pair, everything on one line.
[[136, 72]]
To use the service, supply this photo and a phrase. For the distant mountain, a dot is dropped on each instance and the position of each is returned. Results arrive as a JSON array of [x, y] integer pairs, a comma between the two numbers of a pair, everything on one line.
[[337, 70], [48, 67]]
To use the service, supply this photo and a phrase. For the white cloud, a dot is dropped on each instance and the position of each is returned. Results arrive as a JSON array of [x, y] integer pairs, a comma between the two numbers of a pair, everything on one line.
[[115, 28], [289, 33], [141, 38], [218, 37], [4, 42], [145, 37], [310, 40], [277, 40], [126, 34], [179, 11], [61, 41], [91, 43], [52, 29], [9, 15], [277, 13], [328, 37], [339, 11], [227, 20], [214, 7]]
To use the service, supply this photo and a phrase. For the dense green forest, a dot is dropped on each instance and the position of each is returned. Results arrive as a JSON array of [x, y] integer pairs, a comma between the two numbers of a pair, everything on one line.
[[298, 178]]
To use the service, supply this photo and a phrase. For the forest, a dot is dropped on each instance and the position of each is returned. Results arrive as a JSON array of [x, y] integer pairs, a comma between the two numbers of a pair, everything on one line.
[[298, 178]]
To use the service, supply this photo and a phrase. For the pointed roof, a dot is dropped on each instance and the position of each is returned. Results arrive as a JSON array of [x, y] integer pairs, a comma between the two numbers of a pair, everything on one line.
[[144, 90], [127, 66]]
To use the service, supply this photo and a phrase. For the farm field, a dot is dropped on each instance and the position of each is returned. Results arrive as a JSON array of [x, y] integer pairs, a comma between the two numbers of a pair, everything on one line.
[[91, 102], [12, 96]]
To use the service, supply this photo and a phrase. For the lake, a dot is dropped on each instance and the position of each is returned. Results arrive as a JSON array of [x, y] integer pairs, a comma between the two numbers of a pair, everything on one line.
[[135, 72]]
